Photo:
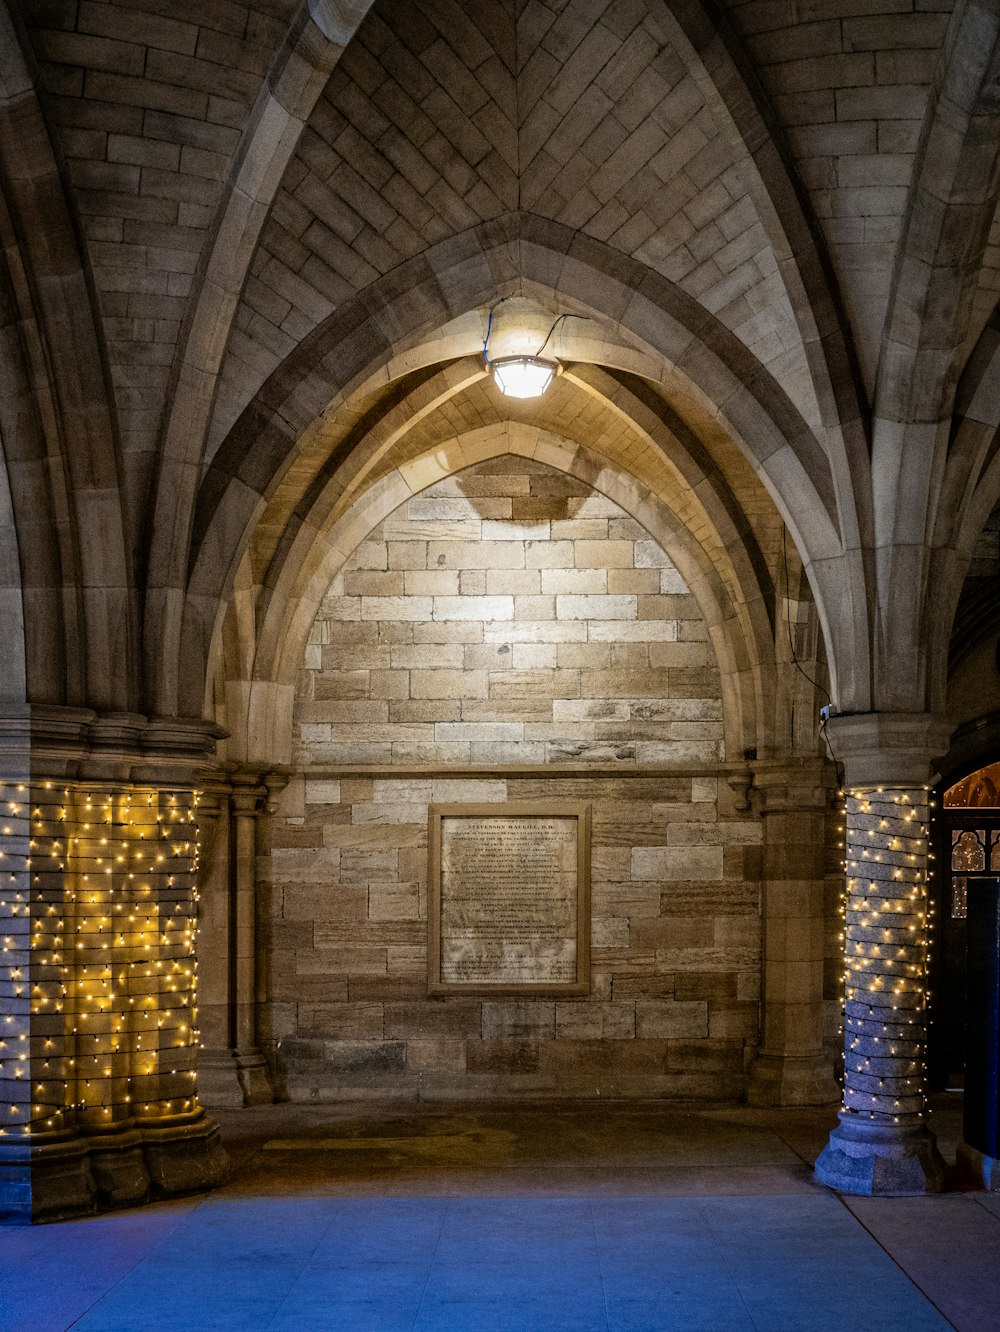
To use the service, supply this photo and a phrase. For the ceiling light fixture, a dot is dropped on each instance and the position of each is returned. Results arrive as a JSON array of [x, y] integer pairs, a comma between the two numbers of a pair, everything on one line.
[[521, 376]]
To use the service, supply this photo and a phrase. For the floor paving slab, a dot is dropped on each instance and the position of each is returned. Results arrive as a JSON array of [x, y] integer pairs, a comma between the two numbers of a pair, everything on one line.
[[611, 1218]]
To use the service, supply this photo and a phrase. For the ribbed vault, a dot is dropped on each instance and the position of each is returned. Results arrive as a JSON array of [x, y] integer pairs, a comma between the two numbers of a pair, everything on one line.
[[228, 231], [699, 497]]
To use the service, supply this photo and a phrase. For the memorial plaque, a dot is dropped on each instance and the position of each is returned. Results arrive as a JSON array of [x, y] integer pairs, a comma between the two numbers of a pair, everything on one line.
[[509, 898]]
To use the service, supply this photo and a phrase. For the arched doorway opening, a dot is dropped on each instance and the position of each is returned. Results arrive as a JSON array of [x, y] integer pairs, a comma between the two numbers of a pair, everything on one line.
[[967, 847]]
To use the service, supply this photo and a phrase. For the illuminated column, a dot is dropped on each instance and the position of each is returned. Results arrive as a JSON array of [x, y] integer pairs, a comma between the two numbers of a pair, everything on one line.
[[101, 937], [159, 970], [882, 1144], [98, 971], [791, 1067], [37, 1045]]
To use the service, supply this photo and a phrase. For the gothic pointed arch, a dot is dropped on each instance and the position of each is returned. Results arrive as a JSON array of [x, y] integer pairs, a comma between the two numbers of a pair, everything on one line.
[[745, 655], [697, 359]]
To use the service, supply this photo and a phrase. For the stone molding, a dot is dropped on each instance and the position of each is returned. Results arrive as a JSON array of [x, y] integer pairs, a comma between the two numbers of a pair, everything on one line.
[[891, 749], [77, 1173], [78, 744], [791, 786], [880, 1160], [253, 789]]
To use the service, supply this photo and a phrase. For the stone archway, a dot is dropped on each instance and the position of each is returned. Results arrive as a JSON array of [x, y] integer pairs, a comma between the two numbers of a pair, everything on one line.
[[270, 436]]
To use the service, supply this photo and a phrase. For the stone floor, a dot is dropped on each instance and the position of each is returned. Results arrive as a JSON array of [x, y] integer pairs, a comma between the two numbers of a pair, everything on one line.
[[544, 1218]]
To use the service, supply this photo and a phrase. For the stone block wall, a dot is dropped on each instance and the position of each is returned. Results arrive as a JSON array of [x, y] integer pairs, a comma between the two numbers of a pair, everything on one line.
[[511, 636], [509, 615]]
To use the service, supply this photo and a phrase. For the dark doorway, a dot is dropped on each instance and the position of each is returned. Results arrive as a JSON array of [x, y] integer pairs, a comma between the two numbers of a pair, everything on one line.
[[966, 840]]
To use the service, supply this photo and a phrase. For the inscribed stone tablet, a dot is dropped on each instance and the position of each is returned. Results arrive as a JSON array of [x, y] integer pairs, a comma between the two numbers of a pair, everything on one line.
[[508, 893]]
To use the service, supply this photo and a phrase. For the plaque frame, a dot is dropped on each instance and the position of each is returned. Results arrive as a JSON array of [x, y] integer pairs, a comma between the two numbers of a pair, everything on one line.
[[509, 809]]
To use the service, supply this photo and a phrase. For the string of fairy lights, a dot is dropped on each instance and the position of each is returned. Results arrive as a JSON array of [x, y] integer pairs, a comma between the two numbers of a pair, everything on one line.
[[97, 972], [887, 929]]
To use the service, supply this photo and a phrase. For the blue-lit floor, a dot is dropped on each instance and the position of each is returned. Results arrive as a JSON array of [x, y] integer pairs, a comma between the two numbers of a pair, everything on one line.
[[433, 1223]]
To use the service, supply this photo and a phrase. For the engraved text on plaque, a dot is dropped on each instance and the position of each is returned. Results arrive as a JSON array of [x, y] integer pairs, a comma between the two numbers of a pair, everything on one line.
[[509, 904]]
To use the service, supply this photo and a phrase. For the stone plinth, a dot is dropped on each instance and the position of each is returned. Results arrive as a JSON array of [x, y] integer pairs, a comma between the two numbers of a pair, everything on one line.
[[978, 1169]]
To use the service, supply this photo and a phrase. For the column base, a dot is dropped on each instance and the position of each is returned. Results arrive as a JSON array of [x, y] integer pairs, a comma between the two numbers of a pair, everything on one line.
[[118, 1168], [186, 1157], [881, 1160], [219, 1085], [255, 1079], [978, 1169], [44, 1180], [231, 1079], [83, 1173], [777, 1080]]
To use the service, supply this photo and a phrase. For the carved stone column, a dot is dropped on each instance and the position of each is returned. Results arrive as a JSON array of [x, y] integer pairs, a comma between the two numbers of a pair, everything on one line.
[[791, 1067], [233, 1070], [218, 1081], [246, 803], [883, 1144], [97, 986]]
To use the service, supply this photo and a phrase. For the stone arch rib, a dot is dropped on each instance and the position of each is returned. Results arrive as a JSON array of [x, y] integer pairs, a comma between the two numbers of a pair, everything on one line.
[[40, 655], [741, 640], [953, 198], [731, 87], [316, 38], [70, 421], [459, 275], [13, 663]]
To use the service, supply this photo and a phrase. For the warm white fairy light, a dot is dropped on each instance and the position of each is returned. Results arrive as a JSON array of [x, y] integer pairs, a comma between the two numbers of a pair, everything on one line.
[[97, 970], [887, 930]]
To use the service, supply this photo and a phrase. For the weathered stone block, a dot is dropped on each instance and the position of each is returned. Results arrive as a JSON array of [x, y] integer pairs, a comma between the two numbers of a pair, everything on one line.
[[669, 863], [604, 1021], [671, 1019], [527, 1018], [365, 1057]]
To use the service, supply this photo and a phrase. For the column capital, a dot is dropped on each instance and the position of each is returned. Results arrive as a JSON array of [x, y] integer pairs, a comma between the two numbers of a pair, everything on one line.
[[254, 790], [793, 785], [45, 741], [888, 748], [212, 795]]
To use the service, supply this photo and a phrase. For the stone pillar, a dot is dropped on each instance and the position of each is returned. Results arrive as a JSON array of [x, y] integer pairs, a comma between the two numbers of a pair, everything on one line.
[[234, 1072], [882, 1144], [247, 802], [97, 992], [791, 1067], [218, 1081]]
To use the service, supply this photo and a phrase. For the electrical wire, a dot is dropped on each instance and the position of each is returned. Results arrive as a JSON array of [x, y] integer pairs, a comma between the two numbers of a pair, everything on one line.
[[489, 329], [798, 665], [555, 325], [788, 621]]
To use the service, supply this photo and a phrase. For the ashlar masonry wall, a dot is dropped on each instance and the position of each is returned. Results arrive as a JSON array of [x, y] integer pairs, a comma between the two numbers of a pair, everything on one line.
[[511, 636]]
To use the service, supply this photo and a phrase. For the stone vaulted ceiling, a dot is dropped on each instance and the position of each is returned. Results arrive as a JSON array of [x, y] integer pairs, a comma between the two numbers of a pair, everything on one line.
[[440, 117], [230, 232]]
